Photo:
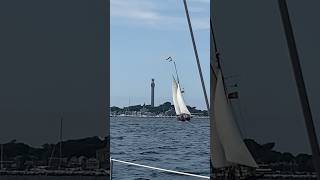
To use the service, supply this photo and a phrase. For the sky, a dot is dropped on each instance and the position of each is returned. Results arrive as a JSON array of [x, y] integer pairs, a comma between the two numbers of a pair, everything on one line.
[[253, 47], [52, 65], [143, 34]]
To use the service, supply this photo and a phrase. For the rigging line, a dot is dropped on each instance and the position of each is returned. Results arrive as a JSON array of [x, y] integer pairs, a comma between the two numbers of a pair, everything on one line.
[[215, 49], [196, 54], [214, 40], [217, 55], [160, 169], [50, 160]]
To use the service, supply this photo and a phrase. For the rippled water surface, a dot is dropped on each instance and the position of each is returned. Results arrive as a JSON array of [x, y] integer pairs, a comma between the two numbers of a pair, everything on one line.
[[160, 142]]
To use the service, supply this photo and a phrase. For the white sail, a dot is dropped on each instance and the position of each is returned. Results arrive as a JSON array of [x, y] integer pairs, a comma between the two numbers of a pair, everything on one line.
[[218, 157], [227, 131], [182, 105], [174, 97]]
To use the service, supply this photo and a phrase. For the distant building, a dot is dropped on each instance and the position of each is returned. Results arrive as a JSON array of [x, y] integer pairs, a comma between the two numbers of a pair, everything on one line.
[[152, 92]]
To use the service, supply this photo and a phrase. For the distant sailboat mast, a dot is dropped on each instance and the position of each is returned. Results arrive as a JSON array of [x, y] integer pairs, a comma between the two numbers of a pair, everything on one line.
[[175, 67], [60, 154], [1, 156], [60, 147]]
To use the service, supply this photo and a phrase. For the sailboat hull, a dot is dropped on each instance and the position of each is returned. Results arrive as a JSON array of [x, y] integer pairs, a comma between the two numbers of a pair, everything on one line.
[[184, 117]]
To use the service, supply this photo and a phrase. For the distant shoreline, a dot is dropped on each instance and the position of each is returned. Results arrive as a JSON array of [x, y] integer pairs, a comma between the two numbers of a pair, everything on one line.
[[146, 116], [54, 173]]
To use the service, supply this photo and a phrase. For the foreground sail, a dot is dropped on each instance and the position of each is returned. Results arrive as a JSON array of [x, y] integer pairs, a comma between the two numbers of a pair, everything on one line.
[[180, 107], [229, 145]]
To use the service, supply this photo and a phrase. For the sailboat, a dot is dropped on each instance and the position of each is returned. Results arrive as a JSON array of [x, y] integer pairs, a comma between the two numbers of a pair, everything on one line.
[[180, 107], [182, 112], [230, 155]]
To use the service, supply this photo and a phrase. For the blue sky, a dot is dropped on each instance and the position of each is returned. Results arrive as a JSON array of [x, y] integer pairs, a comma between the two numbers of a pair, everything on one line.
[[143, 34]]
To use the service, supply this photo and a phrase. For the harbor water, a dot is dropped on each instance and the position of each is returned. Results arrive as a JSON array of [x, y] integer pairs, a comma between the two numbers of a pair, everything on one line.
[[162, 143]]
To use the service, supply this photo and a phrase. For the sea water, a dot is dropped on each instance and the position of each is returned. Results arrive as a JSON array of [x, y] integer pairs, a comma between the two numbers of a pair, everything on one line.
[[159, 142]]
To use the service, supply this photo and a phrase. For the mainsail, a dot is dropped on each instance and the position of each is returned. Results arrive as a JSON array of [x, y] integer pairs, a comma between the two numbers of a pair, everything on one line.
[[229, 145], [182, 105], [178, 102], [174, 97]]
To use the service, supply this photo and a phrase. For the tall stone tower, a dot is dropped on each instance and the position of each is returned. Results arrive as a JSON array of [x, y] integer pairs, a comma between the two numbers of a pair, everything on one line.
[[152, 92]]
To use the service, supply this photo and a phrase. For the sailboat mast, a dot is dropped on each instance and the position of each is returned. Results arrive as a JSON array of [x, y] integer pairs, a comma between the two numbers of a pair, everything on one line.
[[1, 156], [217, 55], [175, 67], [196, 54], [212, 64], [300, 85], [60, 143]]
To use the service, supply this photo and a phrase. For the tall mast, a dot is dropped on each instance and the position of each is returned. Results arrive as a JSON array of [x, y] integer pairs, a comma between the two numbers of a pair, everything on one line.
[[175, 67], [196, 54], [60, 153], [217, 55], [300, 85]]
